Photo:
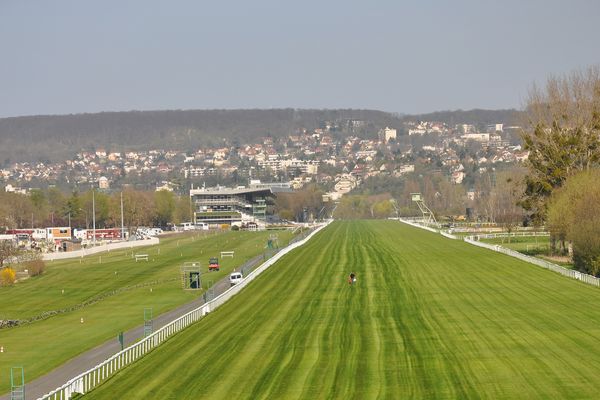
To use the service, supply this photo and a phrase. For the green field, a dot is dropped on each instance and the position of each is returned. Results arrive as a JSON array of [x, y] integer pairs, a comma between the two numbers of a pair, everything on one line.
[[429, 318], [109, 291], [523, 244]]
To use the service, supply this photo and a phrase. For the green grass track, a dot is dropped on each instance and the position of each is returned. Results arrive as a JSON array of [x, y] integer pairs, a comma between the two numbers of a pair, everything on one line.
[[429, 318], [109, 291]]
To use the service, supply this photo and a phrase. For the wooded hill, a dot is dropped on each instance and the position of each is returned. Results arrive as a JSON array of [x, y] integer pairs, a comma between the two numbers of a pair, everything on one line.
[[54, 137], [476, 117]]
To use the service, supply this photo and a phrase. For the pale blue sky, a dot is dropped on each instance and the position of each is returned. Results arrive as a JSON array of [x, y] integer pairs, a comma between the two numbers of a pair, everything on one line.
[[61, 57]]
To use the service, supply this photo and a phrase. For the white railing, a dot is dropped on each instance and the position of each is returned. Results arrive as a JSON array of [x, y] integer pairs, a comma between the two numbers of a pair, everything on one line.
[[418, 225], [589, 279], [512, 234], [580, 276], [100, 249], [93, 377]]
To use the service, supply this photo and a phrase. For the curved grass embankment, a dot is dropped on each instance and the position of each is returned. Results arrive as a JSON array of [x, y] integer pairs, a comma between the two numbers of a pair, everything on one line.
[[119, 290], [429, 318]]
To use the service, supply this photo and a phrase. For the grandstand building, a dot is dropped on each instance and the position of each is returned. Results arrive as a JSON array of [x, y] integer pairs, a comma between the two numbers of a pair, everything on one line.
[[222, 205]]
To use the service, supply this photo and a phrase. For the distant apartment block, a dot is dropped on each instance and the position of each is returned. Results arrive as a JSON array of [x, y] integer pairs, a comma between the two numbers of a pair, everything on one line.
[[103, 183], [293, 167], [388, 134]]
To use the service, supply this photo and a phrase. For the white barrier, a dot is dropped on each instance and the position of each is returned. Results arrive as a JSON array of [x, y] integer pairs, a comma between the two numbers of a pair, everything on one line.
[[448, 235], [580, 276], [141, 257], [412, 223], [93, 377], [100, 249], [502, 235]]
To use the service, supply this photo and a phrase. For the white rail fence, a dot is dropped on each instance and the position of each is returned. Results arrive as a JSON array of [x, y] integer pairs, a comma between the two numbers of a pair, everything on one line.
[[512, 234], [580, 276], [100, 249], [474, 240], [417, 225], [88, 380]]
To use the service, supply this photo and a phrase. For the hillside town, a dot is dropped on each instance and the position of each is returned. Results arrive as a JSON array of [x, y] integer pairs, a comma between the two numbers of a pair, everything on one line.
[[328, 156]]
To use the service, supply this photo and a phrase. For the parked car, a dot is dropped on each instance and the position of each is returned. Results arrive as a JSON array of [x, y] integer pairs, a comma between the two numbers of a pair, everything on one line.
[[235, 278]]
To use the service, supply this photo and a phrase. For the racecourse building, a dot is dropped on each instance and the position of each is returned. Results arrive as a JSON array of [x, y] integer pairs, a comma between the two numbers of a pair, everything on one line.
[[222, 205]]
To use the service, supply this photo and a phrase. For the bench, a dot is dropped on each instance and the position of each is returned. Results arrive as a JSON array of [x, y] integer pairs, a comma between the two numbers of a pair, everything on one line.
[[227, 254], [140, 257]]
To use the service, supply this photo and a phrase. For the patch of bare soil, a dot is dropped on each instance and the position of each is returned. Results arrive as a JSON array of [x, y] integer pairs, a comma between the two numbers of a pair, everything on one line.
[[558, 259]]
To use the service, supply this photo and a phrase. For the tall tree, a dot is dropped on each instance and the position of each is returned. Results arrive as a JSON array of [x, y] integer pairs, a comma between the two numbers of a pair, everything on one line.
[[562, 134], [164, 201], [73, 210], [56, 204]]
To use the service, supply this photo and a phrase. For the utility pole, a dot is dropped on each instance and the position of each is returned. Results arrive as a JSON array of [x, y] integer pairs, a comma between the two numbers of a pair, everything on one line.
[[122, 225], [192, 216], [94, 213]]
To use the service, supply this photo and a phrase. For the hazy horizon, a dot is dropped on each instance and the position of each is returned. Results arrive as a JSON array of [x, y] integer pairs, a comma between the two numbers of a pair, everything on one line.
[[70, 57], [250, 109]]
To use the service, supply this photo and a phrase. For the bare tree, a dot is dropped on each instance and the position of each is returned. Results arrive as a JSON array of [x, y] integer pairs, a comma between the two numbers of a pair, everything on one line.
[[7, 251]]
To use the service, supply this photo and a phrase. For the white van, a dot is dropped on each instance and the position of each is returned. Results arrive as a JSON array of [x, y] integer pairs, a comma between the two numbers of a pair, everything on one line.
[[235, 278], [185, 226], [202, 226]]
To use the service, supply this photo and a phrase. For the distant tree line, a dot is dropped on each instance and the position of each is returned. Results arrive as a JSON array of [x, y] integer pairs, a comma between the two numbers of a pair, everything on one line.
[[365, 207], [43, 208], [53, 137], [301, 205]]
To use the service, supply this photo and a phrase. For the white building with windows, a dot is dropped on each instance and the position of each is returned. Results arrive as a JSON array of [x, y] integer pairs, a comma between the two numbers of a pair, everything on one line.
[[389, 133]]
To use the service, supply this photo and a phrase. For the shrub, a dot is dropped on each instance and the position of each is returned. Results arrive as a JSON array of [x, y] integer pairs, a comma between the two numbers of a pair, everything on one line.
[[225, 226], [7, 276], [235, 228], [573, 214], [35, 267]]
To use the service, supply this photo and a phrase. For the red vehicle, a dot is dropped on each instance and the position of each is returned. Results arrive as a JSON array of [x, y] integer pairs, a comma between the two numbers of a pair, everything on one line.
[[110, 233], [213, 264]]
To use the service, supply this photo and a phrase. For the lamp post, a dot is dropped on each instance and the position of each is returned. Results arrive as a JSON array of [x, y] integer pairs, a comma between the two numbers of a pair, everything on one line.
[[94, 214]]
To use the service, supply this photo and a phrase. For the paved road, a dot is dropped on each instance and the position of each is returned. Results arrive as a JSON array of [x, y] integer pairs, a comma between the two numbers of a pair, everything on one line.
[[93, 357]]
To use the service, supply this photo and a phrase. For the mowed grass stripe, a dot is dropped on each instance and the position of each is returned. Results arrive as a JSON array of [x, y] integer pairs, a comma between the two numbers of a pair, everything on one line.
[[512, 324], [428, 318], [295, 329], [430, 375], [264, 355]]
